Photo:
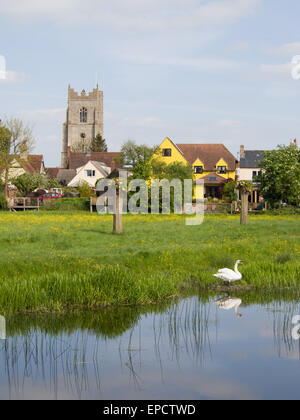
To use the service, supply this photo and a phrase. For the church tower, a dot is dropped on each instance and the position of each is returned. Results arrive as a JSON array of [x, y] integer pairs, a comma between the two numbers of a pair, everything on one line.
[[84, 120]]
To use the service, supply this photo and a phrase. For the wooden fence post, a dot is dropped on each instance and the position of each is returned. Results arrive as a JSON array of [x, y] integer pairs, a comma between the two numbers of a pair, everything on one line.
[[246, 188], [118, 222], [244, 210]]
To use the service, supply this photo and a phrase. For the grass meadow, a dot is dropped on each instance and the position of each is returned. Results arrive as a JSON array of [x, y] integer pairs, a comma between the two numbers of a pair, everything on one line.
[[59, 261]]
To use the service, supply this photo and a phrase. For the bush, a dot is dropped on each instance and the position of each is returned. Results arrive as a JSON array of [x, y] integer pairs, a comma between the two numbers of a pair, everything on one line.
[[68, 204], [285, 210], [85, 190], [3, 202]]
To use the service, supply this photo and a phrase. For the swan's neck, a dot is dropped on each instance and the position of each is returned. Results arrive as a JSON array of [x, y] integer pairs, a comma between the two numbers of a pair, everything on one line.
[[236, 310], [236, 268]]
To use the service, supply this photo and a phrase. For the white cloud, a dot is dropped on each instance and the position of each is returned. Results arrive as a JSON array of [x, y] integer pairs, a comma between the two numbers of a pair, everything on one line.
[[290, 49], [130, 121], [44, 115], [277, 69], [201, 64], [133, 14], [12, 77]]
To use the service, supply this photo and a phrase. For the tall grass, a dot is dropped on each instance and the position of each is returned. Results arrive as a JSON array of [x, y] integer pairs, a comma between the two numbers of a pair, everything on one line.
[[56, 261]]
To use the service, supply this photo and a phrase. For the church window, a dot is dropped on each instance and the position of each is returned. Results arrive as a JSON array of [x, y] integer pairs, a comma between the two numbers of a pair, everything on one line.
[[83, 115]]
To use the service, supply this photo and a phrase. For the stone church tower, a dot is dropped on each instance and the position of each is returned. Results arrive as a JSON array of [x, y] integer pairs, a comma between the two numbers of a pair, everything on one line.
[[84, 120]]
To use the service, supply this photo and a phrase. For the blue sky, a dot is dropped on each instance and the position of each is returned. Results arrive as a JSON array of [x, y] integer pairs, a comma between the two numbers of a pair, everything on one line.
[[202, 71]]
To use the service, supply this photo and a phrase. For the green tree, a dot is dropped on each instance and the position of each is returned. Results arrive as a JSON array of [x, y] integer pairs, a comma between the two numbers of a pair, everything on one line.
[[280, 176], [84, 190], [98, 144], [27, 183], [229, 191], [52, 183], [137, 158], [16, 140], [176, 170]]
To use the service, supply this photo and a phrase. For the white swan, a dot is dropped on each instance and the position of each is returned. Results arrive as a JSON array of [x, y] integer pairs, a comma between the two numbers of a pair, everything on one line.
[[229, 303], [228, 275]]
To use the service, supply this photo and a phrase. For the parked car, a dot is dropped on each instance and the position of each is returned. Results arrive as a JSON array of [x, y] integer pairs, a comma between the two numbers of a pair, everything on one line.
[[49, 196]]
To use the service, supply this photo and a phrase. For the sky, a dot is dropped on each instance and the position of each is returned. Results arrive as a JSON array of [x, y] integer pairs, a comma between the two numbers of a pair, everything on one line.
[[197, 71]]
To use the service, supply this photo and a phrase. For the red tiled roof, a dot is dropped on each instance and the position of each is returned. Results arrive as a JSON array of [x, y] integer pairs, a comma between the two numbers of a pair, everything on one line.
[[209, 154], [213, 178], [36, 162], [76, 160], [33, 164]]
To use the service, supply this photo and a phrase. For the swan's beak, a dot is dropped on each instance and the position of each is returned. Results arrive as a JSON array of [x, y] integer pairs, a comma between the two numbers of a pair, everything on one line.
[[241, 262]]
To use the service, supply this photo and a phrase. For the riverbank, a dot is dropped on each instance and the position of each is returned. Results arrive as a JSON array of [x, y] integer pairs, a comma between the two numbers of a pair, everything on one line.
[[53, 262]]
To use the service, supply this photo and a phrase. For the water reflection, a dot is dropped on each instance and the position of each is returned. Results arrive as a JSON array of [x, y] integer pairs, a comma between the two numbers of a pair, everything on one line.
[[142, 352], [227, 303], [2, 328]]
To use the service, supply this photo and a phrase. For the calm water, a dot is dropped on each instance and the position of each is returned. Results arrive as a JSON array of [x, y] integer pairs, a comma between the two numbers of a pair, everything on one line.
[[192, 349]]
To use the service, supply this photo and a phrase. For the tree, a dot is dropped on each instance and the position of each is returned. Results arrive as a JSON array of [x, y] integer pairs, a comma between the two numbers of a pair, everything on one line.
[[27, 183], [176, 170], [98, 144], [137, 158], [81, 146], [229, 191], [280, 176], [16, 140], [84, 190]]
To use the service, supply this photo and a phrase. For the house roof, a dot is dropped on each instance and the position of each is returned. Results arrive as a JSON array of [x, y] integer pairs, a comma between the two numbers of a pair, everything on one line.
[[77, 160], [66, 175], [52, 172], [102, 167], [36, 161], [252, 159], [213, 179], [32, 164], [209, 154]]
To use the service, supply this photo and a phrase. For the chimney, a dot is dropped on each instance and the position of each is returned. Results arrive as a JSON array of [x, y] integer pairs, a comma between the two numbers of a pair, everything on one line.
[[242, 152], [112, 165]]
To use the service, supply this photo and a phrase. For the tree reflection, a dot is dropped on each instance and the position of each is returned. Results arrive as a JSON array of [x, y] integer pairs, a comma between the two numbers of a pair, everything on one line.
[[66, 356]]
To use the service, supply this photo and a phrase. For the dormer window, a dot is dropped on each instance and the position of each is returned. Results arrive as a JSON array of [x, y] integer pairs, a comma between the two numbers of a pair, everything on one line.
[[198, 169], [83, 115], [90, 173], [167, 152], [222, 170]]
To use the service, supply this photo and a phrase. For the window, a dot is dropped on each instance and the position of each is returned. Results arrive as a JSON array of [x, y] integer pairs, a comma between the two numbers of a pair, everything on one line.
[[198, 169], [167, 152], [90, 173], [83, 115], [254, 174], [222, 170]]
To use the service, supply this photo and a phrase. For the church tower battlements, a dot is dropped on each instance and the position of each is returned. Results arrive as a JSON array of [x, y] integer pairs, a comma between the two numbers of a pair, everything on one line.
[[84, 120]]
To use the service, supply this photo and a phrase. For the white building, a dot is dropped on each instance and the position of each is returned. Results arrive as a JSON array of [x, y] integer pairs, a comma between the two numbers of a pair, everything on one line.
[[90, 173], [249, 169]]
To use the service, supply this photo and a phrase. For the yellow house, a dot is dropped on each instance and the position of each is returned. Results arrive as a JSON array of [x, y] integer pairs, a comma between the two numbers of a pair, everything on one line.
[[211, 162]]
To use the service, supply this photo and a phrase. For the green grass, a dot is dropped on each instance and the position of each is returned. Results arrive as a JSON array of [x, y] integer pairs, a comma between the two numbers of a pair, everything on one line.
[[51, 262]]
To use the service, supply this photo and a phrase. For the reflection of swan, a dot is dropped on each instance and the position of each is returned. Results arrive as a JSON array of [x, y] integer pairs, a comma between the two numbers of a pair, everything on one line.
[[228, 303], [228, 275], [2, 328]]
